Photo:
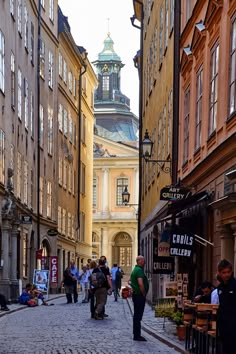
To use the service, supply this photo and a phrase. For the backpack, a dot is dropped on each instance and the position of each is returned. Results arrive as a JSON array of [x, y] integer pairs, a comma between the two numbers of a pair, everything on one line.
[[98, 279], [119, 275]]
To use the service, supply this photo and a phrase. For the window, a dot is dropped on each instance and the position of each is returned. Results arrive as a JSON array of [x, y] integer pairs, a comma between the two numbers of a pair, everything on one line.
[[186, 123], [69, 225], [105, 86], [25, 190], [72, 226], [70, 128], [161, 35], [50, 130], [12, 165], [64, 174], [63, 224], [41, 195], [31, 197], [18, 175], [83, 176], [172, 9], [42, 3], [60, 118], [41, 125], [25, 254], [49, 200], [50, 69], [166, 23], [74, 87], [26, 94], [95, 192], [60, 171], [84, 84], [12, 7], [198, 121], [232, 80], [121, 183], [59, 216], [70, 174], [20, 16], [83, 128], [213, 88], [13, 80], [2, 157], [65, 123], [64, 71], [70, 79], [26, 29], [42, 59], [2, 62], [60, 65], [19, 94], [32, 44], [82, 227], [74, 135], [32, 113], [51, 10]]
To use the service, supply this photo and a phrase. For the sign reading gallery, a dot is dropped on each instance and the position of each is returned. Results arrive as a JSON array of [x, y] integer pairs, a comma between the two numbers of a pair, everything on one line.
[[181, 244]]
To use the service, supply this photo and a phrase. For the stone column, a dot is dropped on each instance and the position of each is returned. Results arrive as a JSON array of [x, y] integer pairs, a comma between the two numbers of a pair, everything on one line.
[[233, 227], [105, 250], [105, 190], [14, 235], [6, 230], [227, 243]]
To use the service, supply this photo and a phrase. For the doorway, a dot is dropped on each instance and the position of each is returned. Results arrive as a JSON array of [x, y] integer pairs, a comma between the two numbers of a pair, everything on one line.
[[122, 252]]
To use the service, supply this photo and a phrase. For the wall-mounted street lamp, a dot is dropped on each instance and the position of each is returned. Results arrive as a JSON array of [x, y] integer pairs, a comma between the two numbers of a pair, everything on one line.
[[126, 197], [146, 147]]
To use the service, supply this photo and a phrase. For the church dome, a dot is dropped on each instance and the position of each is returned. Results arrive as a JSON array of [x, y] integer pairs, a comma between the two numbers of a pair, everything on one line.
[[108, 52]]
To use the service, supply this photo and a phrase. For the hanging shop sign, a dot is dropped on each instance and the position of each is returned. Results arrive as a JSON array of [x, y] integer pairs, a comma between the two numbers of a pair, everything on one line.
[[52, 232], [54, 269], [174, 193], [161, 265], [26, 219], [181, 244]]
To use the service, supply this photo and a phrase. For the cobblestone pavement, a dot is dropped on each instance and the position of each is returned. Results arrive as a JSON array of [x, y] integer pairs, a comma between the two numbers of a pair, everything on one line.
[[68, 329]]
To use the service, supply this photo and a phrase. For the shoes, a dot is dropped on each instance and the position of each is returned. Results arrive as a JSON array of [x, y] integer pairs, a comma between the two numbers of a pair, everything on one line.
[[98, 317], [84, 301], [140, 339], [5, 309], [105, 315], [115, 299]]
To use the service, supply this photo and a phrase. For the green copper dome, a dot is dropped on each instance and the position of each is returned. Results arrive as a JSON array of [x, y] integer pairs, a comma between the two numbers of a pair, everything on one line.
[[108, 52]]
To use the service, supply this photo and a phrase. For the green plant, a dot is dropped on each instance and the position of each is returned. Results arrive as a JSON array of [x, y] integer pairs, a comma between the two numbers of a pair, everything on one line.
[[178, 318]]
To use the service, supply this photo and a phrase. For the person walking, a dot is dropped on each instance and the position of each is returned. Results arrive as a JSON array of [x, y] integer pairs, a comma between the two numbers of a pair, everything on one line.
[[92, 266], [140, 286], [226, 316], [75, 273], [116, 276], [83, 280], [68, 281]]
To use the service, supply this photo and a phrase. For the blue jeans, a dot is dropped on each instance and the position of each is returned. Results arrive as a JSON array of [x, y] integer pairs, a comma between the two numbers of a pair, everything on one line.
[[139, 304], [114, 288]]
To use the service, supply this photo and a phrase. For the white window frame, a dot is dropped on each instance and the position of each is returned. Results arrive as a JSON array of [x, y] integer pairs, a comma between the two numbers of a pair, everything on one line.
[[25, 189], [49, 199], [2, 62], [50, 131], [26, 95], [19, 106], [2, 156], [50, 69], [19, 17]]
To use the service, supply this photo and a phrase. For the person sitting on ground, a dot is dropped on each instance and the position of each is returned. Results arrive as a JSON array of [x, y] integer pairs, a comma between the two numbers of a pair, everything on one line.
[[203, 294], [37, 294], [3, 303], [26, 294]]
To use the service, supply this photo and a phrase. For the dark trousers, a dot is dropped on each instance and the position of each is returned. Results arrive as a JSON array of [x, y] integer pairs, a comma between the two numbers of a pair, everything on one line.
[[3, 302], [139, 304], [92, 303], [75, 292]]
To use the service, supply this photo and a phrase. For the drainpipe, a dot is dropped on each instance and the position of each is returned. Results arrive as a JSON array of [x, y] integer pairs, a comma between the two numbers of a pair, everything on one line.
[[175, 137], [140, 117], [38, 123], [82, 72]]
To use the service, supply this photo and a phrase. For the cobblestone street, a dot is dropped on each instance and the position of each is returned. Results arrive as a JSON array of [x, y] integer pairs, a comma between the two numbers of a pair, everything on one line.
[[62, 329]]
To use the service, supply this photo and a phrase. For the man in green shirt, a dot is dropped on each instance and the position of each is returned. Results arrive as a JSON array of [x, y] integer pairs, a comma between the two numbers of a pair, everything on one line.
[[140, 286]]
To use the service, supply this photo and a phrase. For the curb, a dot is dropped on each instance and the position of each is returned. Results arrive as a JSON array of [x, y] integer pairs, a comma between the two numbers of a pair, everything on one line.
[[169, 342]]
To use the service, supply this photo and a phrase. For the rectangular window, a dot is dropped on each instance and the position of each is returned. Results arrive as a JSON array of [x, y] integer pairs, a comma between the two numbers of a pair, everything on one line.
[[2, 157], [26, 29], [232, 79], [42, 59], [74, 87], [73, 226], [63, 226], [166, 23], [82, 227], [25, 190], [69, 225], [49, 200], [105, 86], [12, 7], [59, 217], [161, 35], [60, 65], [198, 121], [19, 94], [18, 175], [60, 118], [94, 192], [186, 123], [51, 10], [20, 16], [121, 183], [65, 123], [172, 9], [41, 128], [60, 171], [32, 44], [83, 174], [31, 197], [70, 171], [41, 195], [32, 113], [25, 255], [83, 128], [50, 69], [26, 94], [64, 174], [50, 130], [213, 89], [70, 128], [70, 80], [2, 62], [12, 165], [13, 81], [64, 71], [42, 3]]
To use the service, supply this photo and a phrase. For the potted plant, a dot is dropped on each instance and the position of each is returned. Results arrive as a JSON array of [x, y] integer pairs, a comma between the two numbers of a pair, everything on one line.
[[178, 318]]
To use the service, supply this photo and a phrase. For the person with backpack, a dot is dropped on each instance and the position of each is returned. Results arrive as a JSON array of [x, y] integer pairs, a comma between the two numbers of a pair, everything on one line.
[[116, 276], [101, 282]]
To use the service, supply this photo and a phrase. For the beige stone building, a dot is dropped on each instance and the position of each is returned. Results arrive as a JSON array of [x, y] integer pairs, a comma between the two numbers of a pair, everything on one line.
[[115, 224]]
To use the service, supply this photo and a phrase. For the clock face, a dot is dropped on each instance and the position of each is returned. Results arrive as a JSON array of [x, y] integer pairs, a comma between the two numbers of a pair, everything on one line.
[[105, 68]]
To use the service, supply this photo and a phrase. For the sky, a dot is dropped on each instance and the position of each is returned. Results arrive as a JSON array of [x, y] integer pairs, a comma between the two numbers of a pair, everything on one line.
[[89, 25]]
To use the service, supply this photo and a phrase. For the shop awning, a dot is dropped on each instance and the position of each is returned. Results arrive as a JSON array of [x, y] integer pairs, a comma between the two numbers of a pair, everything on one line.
[[194, 200]]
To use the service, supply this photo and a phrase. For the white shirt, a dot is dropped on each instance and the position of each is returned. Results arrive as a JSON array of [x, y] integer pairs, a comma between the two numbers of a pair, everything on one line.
[[214, 297]]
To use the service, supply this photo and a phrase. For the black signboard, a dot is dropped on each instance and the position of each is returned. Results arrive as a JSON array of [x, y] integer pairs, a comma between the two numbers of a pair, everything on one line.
[[181, 243], [52, 232], [26, 219], [161, 265], [174, 193]]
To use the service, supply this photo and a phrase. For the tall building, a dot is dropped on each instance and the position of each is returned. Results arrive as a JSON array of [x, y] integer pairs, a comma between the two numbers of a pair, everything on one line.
[[115, 165]]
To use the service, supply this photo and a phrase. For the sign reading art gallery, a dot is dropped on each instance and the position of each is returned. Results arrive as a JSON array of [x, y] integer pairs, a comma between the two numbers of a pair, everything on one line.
[[181, 244], [174, 193]]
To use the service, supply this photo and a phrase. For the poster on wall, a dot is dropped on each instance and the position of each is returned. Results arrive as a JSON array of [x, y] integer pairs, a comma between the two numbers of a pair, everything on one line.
[[170, 289], [41, 279]]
